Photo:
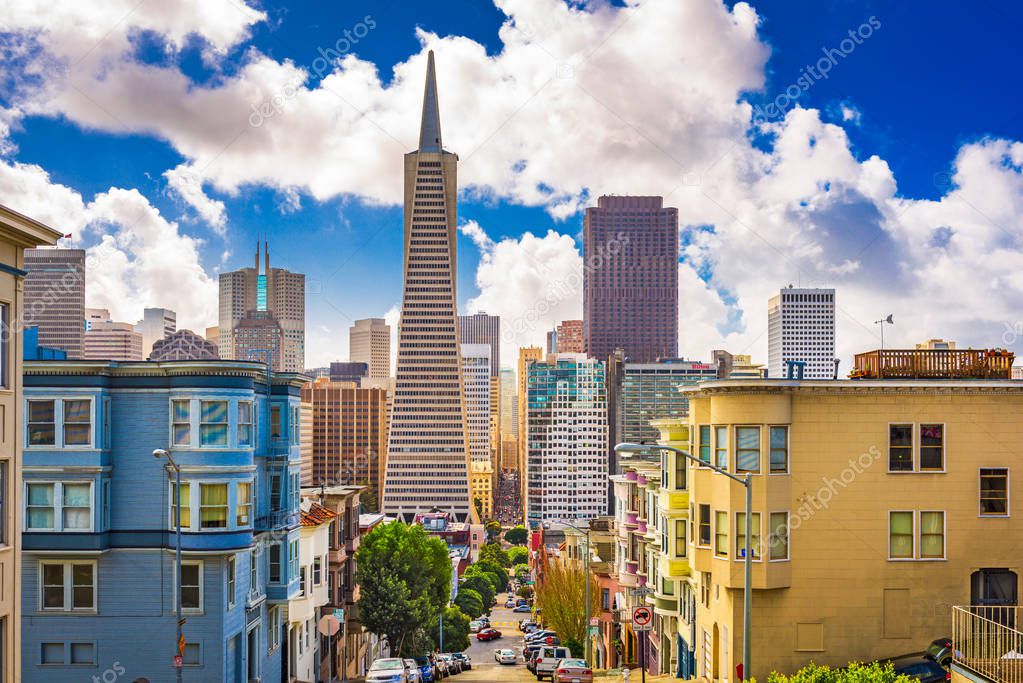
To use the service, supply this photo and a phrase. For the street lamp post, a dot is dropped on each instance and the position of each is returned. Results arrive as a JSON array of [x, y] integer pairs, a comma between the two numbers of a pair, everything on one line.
[[746, 481], [161, 453]]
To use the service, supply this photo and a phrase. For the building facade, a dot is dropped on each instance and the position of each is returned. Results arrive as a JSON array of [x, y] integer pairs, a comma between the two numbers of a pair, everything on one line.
[[112, 341], [481, 328], [428, 448], [55, 297], [156, 324], [352, 371], [650, 391], [569, 337], [801, 328], [508, 409], [566, 471], [99, 583], [305, 660], [481, 486], [476, 388], [527, 356], [262, 315], [630, 282], [369, 342], [183, 345]]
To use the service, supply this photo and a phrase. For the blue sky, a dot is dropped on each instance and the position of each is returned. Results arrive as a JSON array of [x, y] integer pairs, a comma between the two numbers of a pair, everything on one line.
[[928, 83]]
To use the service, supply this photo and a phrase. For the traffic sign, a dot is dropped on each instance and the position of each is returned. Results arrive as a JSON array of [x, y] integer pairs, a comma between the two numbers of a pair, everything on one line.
[[594, 621], [641, 618], [339, 614], [329, 625], [592, 631], [178, 661]]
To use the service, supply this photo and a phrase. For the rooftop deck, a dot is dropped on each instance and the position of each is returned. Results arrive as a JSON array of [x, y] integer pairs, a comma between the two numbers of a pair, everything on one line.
[[933, 364]]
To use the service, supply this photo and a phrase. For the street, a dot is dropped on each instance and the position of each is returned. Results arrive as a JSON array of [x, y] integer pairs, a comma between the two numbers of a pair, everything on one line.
[[484, 668]]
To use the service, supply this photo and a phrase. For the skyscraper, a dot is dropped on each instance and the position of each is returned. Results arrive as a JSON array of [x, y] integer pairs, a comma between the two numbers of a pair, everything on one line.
[[508, 424], [476, 387], [569, 337], [369, 342], [112, 341], [55, 297], [156, 324], [480, 328], [801, 327], [262, 315], [630, 282], [527, 355], [427, 449]]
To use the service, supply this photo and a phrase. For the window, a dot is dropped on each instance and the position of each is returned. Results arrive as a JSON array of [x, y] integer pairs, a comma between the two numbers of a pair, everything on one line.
[[721, 533], [253, 574], [244, 515], [317, 572], [192, 654], [78, 422], [244, 423], [994, 492], [3, 524], [680, 472], [301, 581], [900, 535], [932, 447], [58, 506], [83, 653], [77, 509], [106, 504], [293, 426], [680, 538], [721, 447], [664, 469], [213, 506], [779, 450], [275, 492], [107, 419], [900, 448], [778, 540], [275, 563], [932, 535], [52, 653], [747, 449], [705, 443], [213, 425], [186, 505], [231, 581], [39, 507], [181, 423], [42, 430], [293, 559], [274, 636], [704, 526], [275, 422], [191, 586], [5, 360], [68, 586], [740, 535]]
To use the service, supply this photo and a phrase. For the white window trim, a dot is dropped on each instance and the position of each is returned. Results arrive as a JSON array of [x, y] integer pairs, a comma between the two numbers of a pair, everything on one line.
[[944, 537], [728, 446], [202, 588], [788, 451], [232, 565], [674, 541], [195, 422], [170, 423], [58, 506], [58, 423], [194, 487], [760, 450], [171, 505], [912, 557], [888, 449], [236, 404], [1008, 492], [788, 525], [919, 445], [237, 504], [735, 540], [274, 636], [232, 423], [68, 588]]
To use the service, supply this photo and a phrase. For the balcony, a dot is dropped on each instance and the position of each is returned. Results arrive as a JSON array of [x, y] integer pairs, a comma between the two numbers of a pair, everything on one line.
[[278, 519], [673, 501], [988, 643], [933, 364]]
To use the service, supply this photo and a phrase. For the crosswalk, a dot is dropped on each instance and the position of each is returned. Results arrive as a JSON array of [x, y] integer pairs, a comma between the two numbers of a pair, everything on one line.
[[504, 624]]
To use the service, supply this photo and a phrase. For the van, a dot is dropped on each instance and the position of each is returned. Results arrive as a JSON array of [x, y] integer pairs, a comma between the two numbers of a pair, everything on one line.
[[547, 661]]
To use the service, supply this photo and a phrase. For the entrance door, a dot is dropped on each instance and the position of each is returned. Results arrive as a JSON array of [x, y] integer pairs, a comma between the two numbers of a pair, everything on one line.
[[253, 651], [993, 589]]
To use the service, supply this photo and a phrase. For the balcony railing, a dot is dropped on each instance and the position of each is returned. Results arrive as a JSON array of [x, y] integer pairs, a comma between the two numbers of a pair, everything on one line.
[[279, 519], [988, 641], [933, 364]]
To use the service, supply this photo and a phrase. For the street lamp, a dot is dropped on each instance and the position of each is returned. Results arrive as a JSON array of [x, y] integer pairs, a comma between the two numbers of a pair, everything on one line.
[[586, 571], [161, 453], [746, 481]]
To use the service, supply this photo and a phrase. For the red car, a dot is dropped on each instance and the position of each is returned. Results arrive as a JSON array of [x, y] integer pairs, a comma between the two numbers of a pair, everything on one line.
[[488, 634]]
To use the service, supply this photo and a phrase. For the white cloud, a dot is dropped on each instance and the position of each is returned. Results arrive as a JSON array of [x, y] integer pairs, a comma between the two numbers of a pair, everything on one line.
[[186, 182]]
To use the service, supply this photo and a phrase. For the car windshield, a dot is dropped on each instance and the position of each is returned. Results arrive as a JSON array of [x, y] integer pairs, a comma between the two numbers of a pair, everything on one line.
[[573, 663], [387, 664], [422, 661]]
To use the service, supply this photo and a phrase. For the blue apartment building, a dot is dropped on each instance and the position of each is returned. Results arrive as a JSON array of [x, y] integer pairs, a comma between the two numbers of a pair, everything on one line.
[[98, 570]]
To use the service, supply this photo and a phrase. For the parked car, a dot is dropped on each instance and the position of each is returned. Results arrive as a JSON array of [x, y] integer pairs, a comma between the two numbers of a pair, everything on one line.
[[523, 608], [454, 666], [922, 668], [509, 603], [573, 671], [428, 669], [540, 636], [525, 623], [415, 675], [940, 650], [484, 621], [475, 626], [547, 661], [389, 670], [505, 656], [464, 659], [488, 634], [521, 601]]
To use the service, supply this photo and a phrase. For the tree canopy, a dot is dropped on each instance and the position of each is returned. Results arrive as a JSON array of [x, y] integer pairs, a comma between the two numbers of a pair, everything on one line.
[[493, 528], [470, 602], [494, 568], [480, 582], [456, 631], [494, 553], [405, 578], [518, 555], [517, 535], [562, 597]]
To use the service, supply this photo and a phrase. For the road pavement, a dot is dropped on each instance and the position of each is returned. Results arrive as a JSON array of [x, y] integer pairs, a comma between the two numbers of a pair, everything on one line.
[[484, 668]]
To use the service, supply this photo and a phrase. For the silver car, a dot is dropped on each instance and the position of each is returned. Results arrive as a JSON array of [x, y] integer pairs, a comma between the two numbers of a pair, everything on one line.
[[389, 670], [413, 669]]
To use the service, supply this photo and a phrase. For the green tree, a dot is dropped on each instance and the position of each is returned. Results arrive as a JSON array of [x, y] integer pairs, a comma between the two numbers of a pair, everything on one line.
[[496, 569], [517, 535], [494, 553], [470, 602], [405, 578], [525, 592], [562, 597], [520, 571], [478, 502], [493, 528], [481, 583], [518, 555], [456, 631], [854, 673]]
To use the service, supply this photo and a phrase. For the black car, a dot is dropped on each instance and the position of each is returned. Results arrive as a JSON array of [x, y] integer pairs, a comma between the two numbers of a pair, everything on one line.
[[921, 668], [940, 650]]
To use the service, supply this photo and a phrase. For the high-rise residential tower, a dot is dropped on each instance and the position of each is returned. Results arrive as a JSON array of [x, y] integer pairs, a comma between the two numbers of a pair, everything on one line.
[[801, 327], [481, 328], [156, 324], [55, 297], [369, 342], [262, 315], [427, 448], [630, 283]]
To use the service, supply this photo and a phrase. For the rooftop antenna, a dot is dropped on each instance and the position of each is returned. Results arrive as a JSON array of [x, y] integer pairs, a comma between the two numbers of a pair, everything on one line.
[[882, 322]]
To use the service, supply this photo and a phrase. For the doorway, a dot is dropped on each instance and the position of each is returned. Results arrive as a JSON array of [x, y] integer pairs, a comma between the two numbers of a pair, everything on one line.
[[992, 591]]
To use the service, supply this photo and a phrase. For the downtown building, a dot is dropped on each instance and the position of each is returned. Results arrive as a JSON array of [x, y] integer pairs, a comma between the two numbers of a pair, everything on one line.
[[98, 579], [183, 345], [508, 421], [801, 329], [156, 324], [566, 472], [55, 298], [630, 278], [567, 337], [481, 328], [262, 315], [369, 342], [109, 340], [428, 447]]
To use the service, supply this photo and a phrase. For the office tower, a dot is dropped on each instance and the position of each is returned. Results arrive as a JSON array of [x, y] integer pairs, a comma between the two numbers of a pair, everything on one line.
[[630, 282], [262, 315], [369, 342], [552, 341], [18, 232], [350, 371], [527, 355], [476, 388], [112, 341], [236, 435], [801, 327], [509, 404], [566, 462], [428, 450], [736, 366], [55, 297], [569, 337], [349, 435], [156, 324], [480, 328], [96, 315], [183, 345], [213, 334]]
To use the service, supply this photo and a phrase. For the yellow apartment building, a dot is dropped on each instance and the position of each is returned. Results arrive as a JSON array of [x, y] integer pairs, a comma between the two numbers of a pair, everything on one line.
[[878, 505], [481, 478]]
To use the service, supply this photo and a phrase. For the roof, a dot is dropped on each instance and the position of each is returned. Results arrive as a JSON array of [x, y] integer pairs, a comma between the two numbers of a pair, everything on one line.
[[845, 385], [429, 129], [371, 519], [316, 515]]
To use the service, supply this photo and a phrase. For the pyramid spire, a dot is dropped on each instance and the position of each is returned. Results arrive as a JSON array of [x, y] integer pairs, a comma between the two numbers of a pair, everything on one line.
[[429, 128]]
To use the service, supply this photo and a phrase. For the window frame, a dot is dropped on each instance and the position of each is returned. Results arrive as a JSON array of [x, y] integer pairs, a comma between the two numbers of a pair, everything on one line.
[[202, 588], [58, 505], [239, 424], [912, 447], [67, 568], [709, 445], [920, 536], [681, 472], [226, 423], [226, 505], [91, 423], [718, 534], [270, 562], [59, 437], [920, 446], [771, 449], [172, 440], [232, 581], [980, 490], [274, 636], [718, 450], [172, 507], [760, 448], [681, 549], [912, 536], [238, 504], [788, 536], [700, 526], [756, 548]]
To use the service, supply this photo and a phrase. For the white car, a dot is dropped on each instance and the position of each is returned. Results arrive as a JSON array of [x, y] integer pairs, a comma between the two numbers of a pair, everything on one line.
[[475, 626], [390, 670], [413, 671], [505, 656]]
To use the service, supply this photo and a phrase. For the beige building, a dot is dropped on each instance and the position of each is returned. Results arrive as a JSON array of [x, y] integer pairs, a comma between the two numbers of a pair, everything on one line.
[[112, 341], [18, 233], [527, 355], [369, 342], [156, 324], [481, 485], [878, 505], [55, 297]]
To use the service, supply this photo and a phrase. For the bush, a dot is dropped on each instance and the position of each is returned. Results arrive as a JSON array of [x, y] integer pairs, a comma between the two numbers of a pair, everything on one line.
[[518, 555], [517, 535], [854, 673]]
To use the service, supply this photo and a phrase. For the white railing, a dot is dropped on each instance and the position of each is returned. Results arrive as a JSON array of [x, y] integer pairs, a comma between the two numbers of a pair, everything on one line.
[[988, 641]]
